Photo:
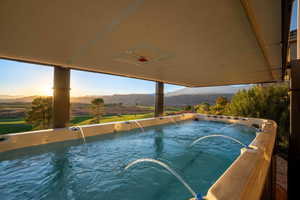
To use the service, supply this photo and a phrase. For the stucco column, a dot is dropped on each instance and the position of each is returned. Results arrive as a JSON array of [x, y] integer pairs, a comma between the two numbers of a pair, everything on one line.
[[61, 97], [159, 99]]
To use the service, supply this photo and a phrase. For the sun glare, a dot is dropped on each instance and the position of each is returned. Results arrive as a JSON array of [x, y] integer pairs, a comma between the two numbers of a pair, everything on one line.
[[46, 90]]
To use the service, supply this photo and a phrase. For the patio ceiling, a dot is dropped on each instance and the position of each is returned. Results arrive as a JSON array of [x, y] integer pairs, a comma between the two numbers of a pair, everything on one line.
[[192, 43]]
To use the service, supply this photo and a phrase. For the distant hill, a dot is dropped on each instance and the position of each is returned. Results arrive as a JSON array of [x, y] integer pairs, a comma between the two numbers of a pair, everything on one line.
[[185, 96], [136, 99], [126, 99], [9, 96], [13, 99], [208, 90]]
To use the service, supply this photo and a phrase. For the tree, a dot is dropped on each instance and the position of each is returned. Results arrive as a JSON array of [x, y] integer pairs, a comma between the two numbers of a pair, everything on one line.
[[40, 113], [97, 109], [202, 108], [220, 106], [223, 101], [269, 102], [188, 108]]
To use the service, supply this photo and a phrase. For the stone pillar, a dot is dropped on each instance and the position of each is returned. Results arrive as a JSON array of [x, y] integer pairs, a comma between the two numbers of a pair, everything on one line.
[[61, 97], [159, 99]]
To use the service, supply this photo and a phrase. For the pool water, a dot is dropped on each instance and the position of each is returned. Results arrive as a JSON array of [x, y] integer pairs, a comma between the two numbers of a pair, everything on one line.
[[95, 170]]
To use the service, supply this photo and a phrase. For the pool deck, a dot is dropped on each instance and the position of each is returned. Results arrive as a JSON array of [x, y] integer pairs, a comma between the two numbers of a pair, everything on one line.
[[244, 179]]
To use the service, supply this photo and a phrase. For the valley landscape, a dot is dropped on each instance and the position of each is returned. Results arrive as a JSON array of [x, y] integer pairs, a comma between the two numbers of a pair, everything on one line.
[[117, 107]]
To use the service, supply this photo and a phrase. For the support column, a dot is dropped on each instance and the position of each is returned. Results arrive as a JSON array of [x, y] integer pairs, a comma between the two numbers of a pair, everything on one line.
[[298, 30], [294, 138], [61, 97], [159, 99]]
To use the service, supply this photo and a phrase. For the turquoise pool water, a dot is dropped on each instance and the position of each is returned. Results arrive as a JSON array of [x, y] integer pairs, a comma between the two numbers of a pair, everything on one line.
[[73, 170]]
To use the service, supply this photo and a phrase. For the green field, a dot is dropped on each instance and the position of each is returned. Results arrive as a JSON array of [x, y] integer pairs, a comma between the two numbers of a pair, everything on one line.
[[15, 125], [12, 116], [118, 118], [79, 119]]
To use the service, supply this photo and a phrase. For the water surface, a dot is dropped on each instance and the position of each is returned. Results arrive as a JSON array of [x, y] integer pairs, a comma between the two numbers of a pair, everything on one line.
[[72, 170]]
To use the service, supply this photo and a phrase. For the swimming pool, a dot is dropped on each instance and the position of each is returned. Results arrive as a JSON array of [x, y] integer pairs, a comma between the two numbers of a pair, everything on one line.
[[95, 170]]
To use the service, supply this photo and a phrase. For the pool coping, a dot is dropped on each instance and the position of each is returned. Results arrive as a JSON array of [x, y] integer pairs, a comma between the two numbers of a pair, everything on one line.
[[244, 178]]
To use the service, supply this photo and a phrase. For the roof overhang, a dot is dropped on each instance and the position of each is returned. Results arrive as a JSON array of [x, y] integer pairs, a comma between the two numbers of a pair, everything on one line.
[[192, 43]]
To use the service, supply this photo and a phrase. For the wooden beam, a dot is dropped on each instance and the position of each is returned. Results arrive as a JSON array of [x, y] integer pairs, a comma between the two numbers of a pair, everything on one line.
[[159, 99], [61, 97]]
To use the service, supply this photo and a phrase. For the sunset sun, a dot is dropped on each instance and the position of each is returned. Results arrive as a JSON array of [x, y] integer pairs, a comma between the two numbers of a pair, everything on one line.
[[46, 90]]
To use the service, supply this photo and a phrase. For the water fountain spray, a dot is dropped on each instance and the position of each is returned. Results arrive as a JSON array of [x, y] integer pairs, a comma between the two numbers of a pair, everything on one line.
[[173, 120], [139, 125], [82, 134], [228, 126], [79, 128], [216, 135], [196, 196]]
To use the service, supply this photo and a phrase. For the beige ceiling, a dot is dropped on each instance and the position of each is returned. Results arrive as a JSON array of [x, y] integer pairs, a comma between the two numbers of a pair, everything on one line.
[[185, 42]]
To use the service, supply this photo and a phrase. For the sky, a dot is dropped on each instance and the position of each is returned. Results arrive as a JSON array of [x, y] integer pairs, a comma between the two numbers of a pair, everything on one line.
[[24, 79]]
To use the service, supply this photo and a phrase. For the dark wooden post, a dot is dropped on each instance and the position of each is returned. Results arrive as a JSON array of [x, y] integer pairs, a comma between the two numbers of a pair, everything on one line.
[[294, 138], [61, 97], [159, 99]]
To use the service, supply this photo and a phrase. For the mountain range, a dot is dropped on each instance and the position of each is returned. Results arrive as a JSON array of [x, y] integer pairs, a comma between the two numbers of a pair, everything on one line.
[[185, 96], [209, 90]]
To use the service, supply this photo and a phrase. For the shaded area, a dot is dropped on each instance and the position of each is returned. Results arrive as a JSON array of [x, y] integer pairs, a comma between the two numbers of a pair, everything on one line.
[[281, 178]]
